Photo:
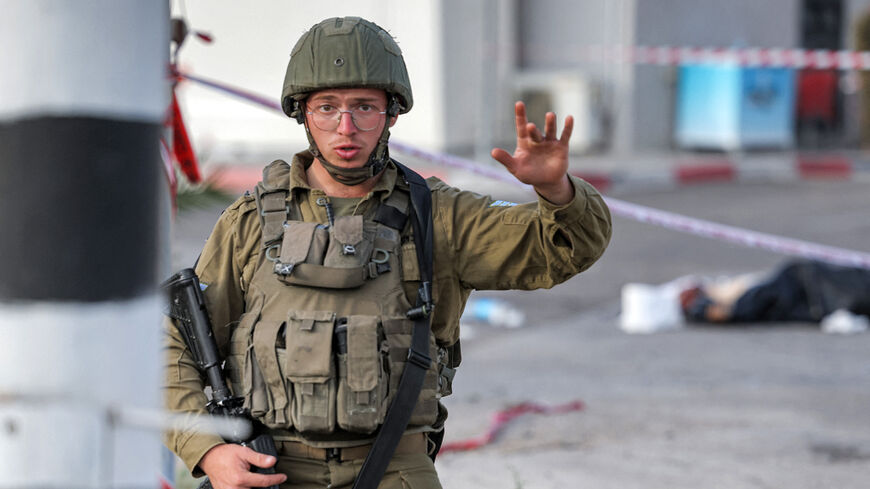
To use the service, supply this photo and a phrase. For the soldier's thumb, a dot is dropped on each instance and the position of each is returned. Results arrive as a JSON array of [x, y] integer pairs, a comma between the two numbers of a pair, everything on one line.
[[260, 459], [503, 157]]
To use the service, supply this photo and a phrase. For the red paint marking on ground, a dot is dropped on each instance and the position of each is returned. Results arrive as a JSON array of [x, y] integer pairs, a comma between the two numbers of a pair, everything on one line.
[[833, 167], [601, 181], [502, 418], [705, 172]]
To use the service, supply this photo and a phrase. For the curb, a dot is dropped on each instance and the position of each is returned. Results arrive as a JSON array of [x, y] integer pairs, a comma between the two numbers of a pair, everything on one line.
[[755, 169]]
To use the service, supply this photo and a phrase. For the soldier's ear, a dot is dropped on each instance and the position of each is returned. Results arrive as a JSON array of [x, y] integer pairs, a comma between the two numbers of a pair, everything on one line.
[[393, 120]]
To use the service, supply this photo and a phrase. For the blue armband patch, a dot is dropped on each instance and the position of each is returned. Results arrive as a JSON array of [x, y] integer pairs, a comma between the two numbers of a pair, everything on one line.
[[502, 203]]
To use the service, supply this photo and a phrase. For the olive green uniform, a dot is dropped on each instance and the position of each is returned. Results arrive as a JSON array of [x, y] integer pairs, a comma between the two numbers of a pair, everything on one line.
[[478, 244]]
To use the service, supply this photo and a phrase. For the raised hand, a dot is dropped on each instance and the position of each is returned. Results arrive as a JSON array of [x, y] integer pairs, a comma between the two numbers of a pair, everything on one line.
[[540, 160]]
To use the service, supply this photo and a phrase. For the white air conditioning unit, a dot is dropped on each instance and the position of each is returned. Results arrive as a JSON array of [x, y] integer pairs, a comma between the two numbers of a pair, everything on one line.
[[564, 94]]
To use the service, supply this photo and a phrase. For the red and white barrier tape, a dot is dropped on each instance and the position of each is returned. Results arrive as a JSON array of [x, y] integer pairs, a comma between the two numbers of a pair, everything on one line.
[[236, 92], [501, 418], [745, 237], [788, 58], [676, 222], [668, 220], [770, 57]]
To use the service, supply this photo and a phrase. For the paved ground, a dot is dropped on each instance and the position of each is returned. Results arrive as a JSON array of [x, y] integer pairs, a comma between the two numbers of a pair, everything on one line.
[[765, 406], [757, 407]]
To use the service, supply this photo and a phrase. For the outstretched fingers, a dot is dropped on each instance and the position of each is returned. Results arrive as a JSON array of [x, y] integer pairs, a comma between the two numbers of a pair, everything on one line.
[[550, 126], [521, 120], [534, 133], [504, 158], [567, 130]]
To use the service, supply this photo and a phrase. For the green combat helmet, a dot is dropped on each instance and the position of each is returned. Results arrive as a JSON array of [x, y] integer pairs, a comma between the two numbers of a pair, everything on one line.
[[347, 52]]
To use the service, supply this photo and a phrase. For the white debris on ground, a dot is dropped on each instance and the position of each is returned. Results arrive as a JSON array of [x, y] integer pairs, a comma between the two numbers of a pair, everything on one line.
[[495, 313], [650, 308], [842, 321]]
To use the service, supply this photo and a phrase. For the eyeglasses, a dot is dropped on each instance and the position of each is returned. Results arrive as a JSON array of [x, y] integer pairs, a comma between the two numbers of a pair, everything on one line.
[[364, 116]]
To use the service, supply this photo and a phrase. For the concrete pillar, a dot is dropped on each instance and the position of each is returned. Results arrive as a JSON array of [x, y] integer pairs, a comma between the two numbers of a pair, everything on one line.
[[83, 92], [623, 79]]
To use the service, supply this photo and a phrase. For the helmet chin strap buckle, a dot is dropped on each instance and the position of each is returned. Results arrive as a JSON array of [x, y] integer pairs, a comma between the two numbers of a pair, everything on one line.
[[394, 107], [298, 112]]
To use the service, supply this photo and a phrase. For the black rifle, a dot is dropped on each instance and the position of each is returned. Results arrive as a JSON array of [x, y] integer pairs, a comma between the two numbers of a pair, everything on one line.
[[187, 307]]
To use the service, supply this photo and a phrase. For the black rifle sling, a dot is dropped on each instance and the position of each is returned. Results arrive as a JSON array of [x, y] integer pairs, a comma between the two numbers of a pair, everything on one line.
[[399, 413]]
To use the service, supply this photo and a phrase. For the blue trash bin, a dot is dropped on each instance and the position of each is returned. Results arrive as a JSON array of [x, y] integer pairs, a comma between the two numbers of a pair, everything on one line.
[[728, 107]]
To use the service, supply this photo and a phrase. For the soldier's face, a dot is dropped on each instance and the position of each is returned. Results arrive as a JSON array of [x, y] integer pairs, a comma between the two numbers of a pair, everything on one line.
[[346, 145]]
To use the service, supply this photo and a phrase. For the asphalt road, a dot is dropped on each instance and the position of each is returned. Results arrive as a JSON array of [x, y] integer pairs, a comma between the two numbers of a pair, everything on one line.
[[763, 406]]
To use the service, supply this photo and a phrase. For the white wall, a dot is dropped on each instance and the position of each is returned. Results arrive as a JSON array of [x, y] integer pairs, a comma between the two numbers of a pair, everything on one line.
[[556, 37], [252, 43]]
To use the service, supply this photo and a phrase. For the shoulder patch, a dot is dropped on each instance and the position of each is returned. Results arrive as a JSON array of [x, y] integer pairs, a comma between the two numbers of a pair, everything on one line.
[[502, 203]]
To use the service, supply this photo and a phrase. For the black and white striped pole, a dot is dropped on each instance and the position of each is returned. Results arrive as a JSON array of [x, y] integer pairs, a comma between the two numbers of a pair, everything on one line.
[[83, 91]]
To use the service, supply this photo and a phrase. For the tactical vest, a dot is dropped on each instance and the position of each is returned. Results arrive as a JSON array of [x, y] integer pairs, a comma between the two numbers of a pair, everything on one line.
[[325, 336]]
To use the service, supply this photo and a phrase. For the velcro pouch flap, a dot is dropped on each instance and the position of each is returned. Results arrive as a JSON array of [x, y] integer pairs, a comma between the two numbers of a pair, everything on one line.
[[362, 353], [309, 345], [241, 336], [351, 245], [348, 229], [318, 245], [265, 336], [297, 240]]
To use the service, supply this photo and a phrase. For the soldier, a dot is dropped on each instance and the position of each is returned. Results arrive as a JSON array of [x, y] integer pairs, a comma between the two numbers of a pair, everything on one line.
[[316, 285]]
